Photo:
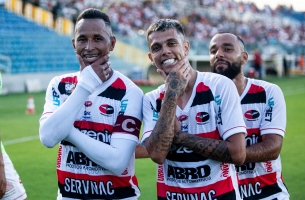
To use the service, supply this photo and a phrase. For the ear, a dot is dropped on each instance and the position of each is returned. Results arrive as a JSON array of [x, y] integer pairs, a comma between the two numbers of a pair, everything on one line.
[[150, 58], [112, 42], [73, 44], [244, 58], [186, 48]]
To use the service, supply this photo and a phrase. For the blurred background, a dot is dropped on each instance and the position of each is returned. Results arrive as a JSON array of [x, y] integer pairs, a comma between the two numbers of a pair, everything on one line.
[[36, 36]]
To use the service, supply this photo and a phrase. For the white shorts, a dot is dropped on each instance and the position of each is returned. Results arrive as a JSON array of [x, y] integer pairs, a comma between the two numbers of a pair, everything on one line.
[[14, 186]]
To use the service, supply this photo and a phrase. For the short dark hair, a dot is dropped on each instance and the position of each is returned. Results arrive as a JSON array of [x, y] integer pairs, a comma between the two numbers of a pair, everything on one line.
[[237, 36], [163, 25], [93, 13]]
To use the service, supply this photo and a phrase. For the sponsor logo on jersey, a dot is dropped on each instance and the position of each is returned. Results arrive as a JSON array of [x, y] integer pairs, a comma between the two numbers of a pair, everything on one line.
[[202, 117], [268, 113], [246, 168], [203, 95], [88, 187], [55, 96], [87, 111], [106, 109], [116, 90], [183, 122], [123, 106], [188, 174], [160, 173], [268, 166], [196, 196], [256, 94], [224, 167], [252, 115], [97, 131], [67, 85], [155, 113]]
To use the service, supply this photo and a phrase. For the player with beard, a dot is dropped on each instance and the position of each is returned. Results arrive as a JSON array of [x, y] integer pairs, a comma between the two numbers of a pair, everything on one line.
[[264, 112]]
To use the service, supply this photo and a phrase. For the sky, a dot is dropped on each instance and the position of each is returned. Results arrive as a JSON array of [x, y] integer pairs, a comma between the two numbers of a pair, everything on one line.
[[298, 5]]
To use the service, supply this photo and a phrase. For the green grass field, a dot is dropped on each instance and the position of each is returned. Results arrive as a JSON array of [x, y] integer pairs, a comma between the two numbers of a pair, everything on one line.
[[36, 164]]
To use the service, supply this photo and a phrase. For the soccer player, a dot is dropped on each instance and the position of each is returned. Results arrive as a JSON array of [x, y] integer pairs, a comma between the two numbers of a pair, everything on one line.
[[95, 116], [11, 186], [193, 125], [264, 112]]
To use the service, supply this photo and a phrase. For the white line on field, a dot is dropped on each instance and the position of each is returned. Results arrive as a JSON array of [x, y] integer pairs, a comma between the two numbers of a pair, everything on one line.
[[20, 140]]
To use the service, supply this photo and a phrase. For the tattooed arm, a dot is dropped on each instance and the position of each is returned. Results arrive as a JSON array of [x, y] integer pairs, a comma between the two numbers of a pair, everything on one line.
[[268, 149], [230, 151], [159, 142]]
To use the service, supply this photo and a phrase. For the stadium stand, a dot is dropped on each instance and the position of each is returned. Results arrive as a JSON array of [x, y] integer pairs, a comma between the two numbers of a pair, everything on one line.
[[34, 48]]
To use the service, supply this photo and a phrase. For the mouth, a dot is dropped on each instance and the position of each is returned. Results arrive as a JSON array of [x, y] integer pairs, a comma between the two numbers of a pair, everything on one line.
[[168, 61], [221, 64], [90, 57]]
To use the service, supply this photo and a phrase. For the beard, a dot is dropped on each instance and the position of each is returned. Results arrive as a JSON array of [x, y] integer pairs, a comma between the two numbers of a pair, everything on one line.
[[231, 71]]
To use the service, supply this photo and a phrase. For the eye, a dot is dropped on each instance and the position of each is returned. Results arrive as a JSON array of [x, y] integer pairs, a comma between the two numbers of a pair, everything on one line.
[[155, 48], [227, 49], [212, 51], [172, 43], [98, 39], [81, 39]]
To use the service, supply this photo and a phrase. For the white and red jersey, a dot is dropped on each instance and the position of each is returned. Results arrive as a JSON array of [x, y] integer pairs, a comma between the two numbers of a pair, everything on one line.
[[78, 176], [14, 186], [213, 111], [264, 112]]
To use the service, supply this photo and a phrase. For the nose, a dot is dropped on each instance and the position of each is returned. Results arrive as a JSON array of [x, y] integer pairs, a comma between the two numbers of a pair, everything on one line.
[[165, 49], [89, 45], [219, 53]]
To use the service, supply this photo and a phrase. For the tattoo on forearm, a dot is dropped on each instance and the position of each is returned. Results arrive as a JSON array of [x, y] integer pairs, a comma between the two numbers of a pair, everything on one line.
[[210, 148], [163, 132]]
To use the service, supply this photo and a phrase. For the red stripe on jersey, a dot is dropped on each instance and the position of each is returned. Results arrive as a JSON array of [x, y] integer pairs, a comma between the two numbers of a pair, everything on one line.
[[127, 124], [202, 87], [255, 89], [161, 189], [213, 135], [116, 181], [69, 80], [220, 188], [264, 180], [88, 125], [251, 131], [119, 84]]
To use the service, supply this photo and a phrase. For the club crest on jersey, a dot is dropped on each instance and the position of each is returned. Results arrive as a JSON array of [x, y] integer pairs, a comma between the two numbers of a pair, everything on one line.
[[252, 115], [87, 111], [106, 109], [202, 117]]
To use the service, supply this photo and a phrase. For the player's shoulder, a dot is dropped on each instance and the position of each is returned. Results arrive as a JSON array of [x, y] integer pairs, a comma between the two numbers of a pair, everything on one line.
[[127, 82], [156, 92], [214, 80], [268, 86], [66, 76]]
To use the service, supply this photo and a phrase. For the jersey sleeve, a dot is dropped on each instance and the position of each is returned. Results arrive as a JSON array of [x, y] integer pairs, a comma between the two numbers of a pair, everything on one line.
[[52, 98], [129, 120], [274, 119], [150, 116], [228, 109]]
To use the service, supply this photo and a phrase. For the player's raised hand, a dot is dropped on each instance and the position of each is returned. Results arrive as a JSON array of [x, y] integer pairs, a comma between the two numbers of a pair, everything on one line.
[[101, 66], [178, 77]]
